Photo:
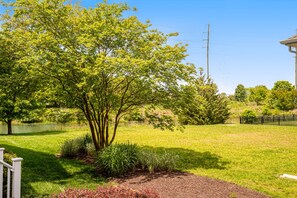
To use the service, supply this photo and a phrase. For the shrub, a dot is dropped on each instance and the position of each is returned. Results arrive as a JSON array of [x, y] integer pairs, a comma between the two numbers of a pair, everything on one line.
[[76, 147], [248, 117], [117, 159], [8, 159], [152, 161], [112, 191]]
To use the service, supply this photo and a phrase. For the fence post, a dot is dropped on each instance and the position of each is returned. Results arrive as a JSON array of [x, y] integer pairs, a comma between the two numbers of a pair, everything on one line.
[[278, 120], [1, 171], [17, 170]]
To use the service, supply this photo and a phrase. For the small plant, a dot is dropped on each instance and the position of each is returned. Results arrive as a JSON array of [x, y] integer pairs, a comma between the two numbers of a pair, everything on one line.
[[117, 159], [8, 159], [76, 147], [248, 117], [152, 161], [111, 191]]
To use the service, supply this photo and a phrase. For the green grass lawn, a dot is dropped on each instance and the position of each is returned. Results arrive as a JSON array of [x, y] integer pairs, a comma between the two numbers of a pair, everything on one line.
[[249, 155]]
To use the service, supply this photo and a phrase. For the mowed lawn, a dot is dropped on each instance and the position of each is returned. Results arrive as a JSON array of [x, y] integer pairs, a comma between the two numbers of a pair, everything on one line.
[[249, 155]]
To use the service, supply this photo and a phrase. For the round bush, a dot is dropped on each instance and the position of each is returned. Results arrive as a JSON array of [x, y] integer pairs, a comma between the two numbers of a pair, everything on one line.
[[249, 117]]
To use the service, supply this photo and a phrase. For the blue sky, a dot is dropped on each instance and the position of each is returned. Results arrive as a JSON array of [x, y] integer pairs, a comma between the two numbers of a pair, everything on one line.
[[244, 37]]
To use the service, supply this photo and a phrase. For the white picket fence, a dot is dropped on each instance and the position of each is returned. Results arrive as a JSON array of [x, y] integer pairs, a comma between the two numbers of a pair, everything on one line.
[[14, 173]]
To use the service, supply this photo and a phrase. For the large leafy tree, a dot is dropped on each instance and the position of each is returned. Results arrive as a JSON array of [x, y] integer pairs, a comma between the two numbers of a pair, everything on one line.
[[201, 103], [283, 96], [258, 94], [101, 62], [240, 93], [17, 84]]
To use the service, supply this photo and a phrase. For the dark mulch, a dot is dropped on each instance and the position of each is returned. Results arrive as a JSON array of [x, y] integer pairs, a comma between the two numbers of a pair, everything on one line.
[[185, 185]]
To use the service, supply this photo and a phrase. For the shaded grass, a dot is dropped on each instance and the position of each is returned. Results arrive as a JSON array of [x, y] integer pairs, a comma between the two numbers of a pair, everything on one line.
[[249, 155], [43, 173]]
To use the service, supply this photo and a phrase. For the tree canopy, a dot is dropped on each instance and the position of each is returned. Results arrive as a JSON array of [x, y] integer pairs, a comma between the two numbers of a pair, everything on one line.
[[17, 84], [99, 61], [283, 96], [258, 94], [202, 104], [240, 93]]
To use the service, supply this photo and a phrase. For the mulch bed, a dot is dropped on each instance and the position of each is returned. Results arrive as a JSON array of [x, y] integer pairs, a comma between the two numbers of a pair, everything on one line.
[[185, 185]]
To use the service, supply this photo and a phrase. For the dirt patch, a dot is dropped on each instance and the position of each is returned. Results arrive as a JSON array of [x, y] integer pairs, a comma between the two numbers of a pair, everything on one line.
[[185, 185]]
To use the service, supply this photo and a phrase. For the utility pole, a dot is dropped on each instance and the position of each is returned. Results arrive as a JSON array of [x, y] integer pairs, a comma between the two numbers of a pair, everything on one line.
[[207, 50]]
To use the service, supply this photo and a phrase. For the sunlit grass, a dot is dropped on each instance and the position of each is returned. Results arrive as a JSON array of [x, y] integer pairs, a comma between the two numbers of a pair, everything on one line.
[[249, 155]]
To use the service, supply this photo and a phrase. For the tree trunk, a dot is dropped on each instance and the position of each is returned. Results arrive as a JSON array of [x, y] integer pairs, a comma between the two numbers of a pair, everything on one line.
[[9, 128]]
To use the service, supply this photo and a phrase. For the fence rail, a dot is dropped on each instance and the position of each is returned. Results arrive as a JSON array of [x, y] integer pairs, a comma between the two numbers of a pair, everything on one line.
[[271, 120], [13, 182]]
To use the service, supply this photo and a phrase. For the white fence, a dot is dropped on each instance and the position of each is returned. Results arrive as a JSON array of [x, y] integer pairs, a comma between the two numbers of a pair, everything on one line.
[[13, 176]]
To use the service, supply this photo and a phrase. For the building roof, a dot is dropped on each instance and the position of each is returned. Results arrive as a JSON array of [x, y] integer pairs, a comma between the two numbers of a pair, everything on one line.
[[292, 41]]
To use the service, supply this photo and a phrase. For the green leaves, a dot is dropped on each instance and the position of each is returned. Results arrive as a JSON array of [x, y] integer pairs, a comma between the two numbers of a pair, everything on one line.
[[200, 103], [98, 60], [283, 96]]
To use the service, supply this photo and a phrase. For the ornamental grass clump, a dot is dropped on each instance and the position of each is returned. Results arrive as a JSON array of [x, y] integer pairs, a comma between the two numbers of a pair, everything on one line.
[[118, 159], [76, 147], [154, 162]]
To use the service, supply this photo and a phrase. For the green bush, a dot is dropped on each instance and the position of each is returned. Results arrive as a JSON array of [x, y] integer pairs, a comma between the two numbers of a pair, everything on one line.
[[117, 159], [76, 147], [152, 161], [8, 159], [248, 117], [266, 111]]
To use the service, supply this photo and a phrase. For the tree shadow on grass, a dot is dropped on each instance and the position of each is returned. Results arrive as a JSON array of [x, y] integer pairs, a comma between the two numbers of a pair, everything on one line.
[[190, 159], [44, 167], [186, 159]]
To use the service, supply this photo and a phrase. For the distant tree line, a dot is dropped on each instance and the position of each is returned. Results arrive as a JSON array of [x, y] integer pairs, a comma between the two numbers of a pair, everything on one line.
[[283, 96]]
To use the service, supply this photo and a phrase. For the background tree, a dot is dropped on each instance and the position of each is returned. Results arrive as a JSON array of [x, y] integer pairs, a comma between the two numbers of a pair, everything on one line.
[[99, 61], [240, 93], [258, 94], [202, 104], [17, 85], [283, 96]]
